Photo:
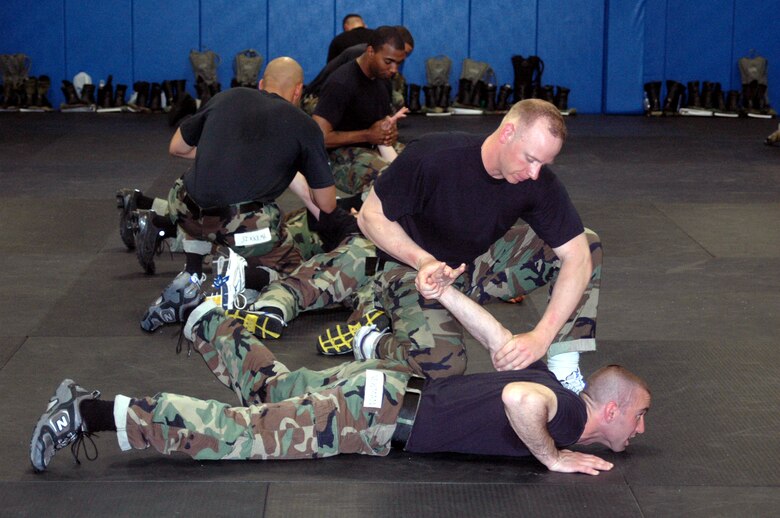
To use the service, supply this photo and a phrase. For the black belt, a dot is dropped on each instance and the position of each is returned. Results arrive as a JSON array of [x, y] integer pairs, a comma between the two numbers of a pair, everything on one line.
[[409, 405], [223, 212]]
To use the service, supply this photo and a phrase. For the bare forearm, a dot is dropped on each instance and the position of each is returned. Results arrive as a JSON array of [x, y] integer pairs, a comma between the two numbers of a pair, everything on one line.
[[345, 138], [477, 320], [570, 285], [528, 413], [389, 235], [300, 187]]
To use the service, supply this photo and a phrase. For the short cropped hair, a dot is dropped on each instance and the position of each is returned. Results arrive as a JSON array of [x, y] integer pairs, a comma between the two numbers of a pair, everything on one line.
[[405, 35], [614, 383], [386, 35], [526, 112]]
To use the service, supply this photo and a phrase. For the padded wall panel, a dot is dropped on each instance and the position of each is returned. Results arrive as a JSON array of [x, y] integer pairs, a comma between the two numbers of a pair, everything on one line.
[[625, 54], [698, 40], [99, 39], [438, 27], [301, 30], [374, 13], [37, 30], [757, 27], [654, 41], [499, 30], [163, 35], [230, 26], [571, 43]]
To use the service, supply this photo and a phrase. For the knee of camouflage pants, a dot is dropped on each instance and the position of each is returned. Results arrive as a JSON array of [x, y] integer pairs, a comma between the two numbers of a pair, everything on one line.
[[355, 168], [424, 334]]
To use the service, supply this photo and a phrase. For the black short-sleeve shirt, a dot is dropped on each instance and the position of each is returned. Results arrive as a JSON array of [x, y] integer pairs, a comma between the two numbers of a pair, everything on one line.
[[465, 414], [250, 145], [350, 101], [440, 193]]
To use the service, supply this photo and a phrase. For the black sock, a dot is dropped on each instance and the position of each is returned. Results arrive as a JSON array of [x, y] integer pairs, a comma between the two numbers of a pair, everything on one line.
[[272, 310], [144, 202], [256, 278], [98, 415], [164, 224], [194, 263]]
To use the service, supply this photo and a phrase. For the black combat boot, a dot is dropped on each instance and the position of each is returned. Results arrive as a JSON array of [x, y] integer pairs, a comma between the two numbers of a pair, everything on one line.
[[653, 93], [88, 94], [414, 98], [169, 89], [155, 98], [562, 98], [119, 95], [464, 91], [69, 91], [430, 96], [502, 103], [142, 94], [548, 93], [694, 98], [674, 95], [443, 93], [490, 97], [44, 83]]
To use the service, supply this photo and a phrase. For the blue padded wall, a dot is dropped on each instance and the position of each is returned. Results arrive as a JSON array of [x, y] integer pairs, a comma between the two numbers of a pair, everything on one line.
[[571, 43], [302, 31], [698, 40], [757, 28], [438, 27], [37, 29], [374, 13], [500, 30], [624, 52], [602, 49], [163, 35], [99, 39], [231, 26]]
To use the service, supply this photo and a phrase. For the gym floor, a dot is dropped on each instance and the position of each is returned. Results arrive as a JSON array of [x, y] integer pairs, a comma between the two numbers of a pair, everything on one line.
[[688, 210]]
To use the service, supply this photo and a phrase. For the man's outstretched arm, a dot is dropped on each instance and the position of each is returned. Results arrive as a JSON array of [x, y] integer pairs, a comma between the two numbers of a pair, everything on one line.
[[529, 407]]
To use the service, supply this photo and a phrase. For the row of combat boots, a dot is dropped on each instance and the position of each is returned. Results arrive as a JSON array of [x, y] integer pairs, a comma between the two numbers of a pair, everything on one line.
[[481, 96], [705, 98], [28, 95]]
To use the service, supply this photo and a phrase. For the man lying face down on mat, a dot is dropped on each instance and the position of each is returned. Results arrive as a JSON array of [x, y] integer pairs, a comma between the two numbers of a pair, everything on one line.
[[357, 407]]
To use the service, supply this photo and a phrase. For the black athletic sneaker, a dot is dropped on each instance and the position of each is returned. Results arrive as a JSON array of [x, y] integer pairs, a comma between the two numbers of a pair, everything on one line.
[[126, 218], [339, 338], [60, 425], [147, 240], [262, 324]]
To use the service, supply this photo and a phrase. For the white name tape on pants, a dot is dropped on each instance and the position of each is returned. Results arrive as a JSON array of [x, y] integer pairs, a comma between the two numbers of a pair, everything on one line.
[[256, 237]]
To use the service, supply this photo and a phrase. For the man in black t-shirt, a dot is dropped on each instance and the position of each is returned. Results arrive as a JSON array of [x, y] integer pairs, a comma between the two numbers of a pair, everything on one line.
[[455, 199], [355, 32], [311, 92], [354, 112], [248, 146], [357, 407]]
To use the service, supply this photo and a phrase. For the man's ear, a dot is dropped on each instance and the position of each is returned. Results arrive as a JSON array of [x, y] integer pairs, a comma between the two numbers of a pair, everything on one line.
[[261, 85], [506, 133], [611, 411]]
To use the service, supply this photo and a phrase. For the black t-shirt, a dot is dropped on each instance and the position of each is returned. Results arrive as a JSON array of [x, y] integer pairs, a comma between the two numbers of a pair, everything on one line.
[[350, 101], [347, 39], [250, 145], [440, 193], [465, 414], [348, 55]]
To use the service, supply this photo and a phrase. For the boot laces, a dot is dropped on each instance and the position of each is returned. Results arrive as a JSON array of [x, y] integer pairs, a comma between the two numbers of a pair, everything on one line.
[[80, 444]]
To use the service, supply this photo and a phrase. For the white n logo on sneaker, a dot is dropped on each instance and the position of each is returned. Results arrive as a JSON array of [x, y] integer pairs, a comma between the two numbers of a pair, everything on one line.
[[61, 423]]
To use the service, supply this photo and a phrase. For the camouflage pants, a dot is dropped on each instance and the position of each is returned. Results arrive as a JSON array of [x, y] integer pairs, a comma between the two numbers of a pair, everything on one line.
[[284, 414], [431, 339], [355, 168], [274, 253], [326, 279]]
